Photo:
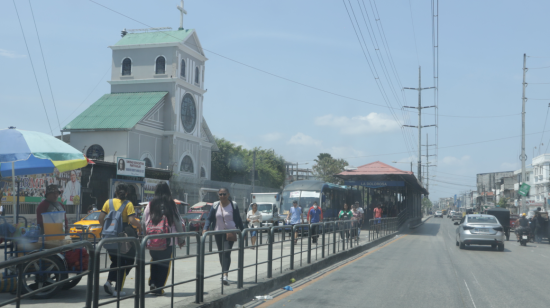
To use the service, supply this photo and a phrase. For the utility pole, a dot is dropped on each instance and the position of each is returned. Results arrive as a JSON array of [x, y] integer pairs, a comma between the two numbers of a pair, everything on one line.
[[419, 89], [427, 145], [523, 157]]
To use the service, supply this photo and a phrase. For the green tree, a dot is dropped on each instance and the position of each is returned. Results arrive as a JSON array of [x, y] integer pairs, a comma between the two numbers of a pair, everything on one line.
[[426, 204], [326, 167], [503, 202], [233, 163]]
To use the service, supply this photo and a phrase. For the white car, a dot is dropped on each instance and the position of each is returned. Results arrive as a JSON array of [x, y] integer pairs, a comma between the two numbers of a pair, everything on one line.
[[480, 229], [438, 214]]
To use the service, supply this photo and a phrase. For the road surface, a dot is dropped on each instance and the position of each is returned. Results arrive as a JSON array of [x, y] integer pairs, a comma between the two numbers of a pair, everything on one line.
[[426, 269]]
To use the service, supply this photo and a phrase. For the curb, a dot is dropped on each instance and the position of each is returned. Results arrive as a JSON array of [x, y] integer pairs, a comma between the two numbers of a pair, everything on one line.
[[279, 280], [420, 224]]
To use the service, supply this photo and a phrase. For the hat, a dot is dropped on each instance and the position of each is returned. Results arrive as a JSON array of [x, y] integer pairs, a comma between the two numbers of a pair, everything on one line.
[[51, 189]]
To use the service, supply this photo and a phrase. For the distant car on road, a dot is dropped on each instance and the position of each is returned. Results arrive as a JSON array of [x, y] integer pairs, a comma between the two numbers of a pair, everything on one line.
[[438, 214], [480, 229], [456, 216], [450, 214]]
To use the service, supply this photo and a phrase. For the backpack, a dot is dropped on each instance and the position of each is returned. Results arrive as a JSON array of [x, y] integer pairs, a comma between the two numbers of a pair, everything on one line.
[[113, 224], [161, 228]]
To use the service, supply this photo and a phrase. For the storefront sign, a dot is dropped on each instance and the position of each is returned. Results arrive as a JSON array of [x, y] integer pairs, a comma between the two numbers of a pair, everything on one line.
[[130, 167], [375, 184], [524, 189]]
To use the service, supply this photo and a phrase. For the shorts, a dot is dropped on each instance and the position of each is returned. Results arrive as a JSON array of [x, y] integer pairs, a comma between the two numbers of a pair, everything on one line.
[[378, 220], [253, 233]]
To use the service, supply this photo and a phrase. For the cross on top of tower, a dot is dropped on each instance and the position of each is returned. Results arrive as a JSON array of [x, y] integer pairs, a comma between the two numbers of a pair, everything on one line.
[[182, 11]]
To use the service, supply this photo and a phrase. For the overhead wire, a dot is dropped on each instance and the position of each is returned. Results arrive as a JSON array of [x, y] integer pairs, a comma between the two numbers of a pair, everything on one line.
[[376, 46], [297, 82], [542, 136], [371, 65], [45, 67], [33, 70]]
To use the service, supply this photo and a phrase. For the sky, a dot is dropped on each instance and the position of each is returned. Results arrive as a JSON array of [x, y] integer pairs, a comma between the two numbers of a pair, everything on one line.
[[295, 77]]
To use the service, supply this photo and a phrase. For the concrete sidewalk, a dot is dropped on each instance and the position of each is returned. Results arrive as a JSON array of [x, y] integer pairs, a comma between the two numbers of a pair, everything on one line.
[[186, 270]]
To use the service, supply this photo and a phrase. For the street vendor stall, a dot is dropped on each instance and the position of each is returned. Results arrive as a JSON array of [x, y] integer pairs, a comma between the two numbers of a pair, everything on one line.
[[23, 153]]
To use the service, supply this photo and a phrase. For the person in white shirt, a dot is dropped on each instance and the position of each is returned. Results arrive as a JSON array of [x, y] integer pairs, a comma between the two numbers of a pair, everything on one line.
[[72, 189], [254, 219], [360, 209]]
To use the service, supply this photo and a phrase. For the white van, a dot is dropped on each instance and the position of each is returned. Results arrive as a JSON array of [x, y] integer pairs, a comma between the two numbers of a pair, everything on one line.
[[267, 206]]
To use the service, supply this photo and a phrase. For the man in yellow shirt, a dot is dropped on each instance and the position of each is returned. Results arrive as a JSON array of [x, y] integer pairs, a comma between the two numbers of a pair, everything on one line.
[[128, 218]]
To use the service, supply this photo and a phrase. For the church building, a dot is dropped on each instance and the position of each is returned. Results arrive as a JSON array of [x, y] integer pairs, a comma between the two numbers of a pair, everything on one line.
[[154, 112]]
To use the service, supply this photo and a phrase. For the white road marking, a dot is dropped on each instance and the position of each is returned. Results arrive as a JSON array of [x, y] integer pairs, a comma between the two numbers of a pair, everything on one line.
[[470, 294], [544, 256], [475, 278]]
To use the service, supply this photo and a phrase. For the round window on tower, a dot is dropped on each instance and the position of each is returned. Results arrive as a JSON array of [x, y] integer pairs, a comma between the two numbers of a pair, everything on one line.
[[188, 113]]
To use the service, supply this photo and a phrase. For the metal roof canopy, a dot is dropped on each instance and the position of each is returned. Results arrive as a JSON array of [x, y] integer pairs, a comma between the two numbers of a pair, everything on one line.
[[378, 175]]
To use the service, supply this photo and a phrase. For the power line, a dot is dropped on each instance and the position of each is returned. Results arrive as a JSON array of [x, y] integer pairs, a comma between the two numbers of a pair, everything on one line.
[[32, 65], [87, 96], [466, 176], [44, 61], [297, 82], [372, 67], [542, 136]]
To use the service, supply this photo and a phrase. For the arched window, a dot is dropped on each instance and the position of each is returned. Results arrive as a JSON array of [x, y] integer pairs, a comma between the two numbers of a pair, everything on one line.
[[95, 152], [187, 164], [203, 172], [160, 65], [197, 75], [127, 67], [182, 70], [148, 162]]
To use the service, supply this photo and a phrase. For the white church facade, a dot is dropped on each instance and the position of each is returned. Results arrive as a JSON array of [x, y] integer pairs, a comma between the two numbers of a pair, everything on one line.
[[155, 109]]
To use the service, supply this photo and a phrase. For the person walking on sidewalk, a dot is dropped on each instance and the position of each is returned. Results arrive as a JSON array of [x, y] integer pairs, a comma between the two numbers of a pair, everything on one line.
[[344, 216], [314, 215], [377, 216], [225, 216], [128, 218], [295, 217], [356, 217], [162, 211], [253, 217]]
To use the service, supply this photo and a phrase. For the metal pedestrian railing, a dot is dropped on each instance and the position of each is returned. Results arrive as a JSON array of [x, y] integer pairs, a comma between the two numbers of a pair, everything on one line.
[[313, 242]]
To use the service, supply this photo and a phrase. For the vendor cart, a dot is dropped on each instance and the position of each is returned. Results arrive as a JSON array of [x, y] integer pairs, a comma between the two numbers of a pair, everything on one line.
[[45, 271], [503, 216]]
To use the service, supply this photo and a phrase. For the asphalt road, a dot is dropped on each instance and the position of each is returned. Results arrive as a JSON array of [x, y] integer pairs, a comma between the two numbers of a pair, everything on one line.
[[426, 269]]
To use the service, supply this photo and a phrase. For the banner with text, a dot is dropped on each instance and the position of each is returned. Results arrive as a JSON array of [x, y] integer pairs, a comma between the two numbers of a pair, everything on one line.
[[130, 167]]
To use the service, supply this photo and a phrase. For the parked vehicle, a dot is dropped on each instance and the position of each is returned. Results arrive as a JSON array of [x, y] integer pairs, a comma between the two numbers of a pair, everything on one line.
[[267, 206], [88, 224], [480, 229], [196, 220], [450, 214], [503, 216]]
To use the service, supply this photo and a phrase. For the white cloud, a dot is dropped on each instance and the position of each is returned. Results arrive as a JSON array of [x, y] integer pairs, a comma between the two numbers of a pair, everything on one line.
[[9, 54], [302, 139], [272, 136], [371, 123], [450, 160]]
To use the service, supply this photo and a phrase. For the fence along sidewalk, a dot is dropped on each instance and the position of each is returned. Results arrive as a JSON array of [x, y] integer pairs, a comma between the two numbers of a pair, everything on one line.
[[274, 252]]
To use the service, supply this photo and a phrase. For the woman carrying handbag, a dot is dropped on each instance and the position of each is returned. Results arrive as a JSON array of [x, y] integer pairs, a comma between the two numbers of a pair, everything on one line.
[[225, 216]]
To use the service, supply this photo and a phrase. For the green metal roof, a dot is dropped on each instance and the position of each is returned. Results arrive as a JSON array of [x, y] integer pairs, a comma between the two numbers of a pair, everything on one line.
[[116, 111], [158, 37]]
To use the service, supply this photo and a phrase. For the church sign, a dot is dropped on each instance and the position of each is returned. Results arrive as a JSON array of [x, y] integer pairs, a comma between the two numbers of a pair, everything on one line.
[[130, 167]]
